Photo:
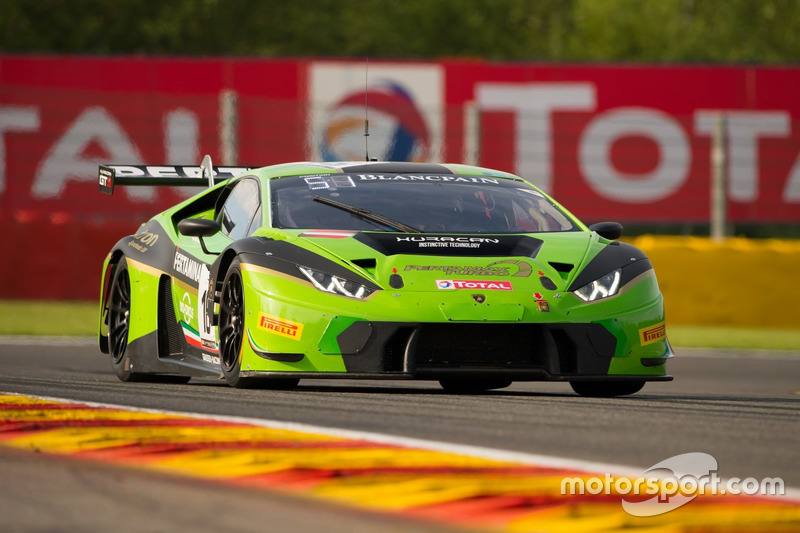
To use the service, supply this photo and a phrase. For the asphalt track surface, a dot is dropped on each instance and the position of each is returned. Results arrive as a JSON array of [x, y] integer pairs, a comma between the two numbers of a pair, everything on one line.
[[742, 408]]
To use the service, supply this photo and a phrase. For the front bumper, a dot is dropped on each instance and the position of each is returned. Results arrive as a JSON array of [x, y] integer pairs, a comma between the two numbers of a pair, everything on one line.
[[447, 336], [519, 352]]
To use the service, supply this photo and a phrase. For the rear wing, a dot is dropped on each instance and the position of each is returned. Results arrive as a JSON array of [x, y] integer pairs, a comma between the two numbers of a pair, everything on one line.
[[110, 176]]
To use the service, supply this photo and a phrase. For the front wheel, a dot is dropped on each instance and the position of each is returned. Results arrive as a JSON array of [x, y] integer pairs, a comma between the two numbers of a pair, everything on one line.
[[231, 326], [232, 331], [606, 389]]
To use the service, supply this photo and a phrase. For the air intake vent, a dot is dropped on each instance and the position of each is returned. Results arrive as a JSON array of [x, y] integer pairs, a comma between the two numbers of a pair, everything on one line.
[[483, 345], [564, 268], [169, 331], [365, 263]]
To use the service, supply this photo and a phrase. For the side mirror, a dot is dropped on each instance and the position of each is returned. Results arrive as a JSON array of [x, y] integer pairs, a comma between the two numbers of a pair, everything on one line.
[[199, 227], [608, 230]]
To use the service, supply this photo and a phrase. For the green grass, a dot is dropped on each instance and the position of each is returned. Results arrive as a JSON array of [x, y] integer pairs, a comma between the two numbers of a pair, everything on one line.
[[48, 318], [80, 319]]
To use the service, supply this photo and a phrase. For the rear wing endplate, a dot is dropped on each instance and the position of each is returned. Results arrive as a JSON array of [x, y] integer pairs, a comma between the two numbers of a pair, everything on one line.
[[110, 176]]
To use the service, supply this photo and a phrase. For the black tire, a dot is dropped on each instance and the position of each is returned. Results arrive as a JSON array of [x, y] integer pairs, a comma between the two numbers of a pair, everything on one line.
[[119, 322], [231, 335], [472, 386], [606, 389], [231, 326]]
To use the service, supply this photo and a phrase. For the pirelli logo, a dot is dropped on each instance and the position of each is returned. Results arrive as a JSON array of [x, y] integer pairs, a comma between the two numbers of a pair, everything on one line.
[[652, 334], [280, 326]]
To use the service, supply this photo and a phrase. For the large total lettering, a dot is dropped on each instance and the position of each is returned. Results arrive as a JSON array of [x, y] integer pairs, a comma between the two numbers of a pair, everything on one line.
[[671, 169], [64, 161], [533, 105], [15, 119]]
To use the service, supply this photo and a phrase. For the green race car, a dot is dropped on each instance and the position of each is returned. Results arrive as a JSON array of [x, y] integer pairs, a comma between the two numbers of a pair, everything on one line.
[[465, 275]]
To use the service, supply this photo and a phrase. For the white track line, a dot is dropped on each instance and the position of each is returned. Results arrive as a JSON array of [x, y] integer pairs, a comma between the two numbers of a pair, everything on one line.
[[528, 459]]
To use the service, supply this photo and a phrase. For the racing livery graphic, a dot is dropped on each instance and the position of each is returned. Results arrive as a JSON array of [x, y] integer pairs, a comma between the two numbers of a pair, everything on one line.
[[390, 270]]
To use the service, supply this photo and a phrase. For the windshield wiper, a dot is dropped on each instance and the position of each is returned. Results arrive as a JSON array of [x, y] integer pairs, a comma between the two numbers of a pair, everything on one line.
[[368, 215]]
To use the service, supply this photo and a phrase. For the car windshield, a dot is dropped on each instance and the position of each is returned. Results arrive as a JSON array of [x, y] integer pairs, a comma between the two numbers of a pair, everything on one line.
[[427, 203]]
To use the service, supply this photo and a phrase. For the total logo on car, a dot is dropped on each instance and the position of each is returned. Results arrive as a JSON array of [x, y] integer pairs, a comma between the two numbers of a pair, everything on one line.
[[446, 284]]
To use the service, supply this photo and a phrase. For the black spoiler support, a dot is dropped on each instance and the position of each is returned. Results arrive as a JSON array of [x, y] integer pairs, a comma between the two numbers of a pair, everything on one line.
[[110, 176]]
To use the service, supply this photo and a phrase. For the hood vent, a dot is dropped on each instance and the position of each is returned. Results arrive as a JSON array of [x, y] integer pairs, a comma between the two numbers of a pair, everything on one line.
[[365, 263], [563, 268]]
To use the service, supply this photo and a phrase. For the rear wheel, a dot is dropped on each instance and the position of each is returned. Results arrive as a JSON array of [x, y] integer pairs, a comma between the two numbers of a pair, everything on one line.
[[231, 334], [472, 386], [119, 322], [606, 389]]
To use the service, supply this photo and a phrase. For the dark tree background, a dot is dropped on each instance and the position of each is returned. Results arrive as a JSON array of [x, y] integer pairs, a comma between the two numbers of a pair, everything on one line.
[[753, 31]]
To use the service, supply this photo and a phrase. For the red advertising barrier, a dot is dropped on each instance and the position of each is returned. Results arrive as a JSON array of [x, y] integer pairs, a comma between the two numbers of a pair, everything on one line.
[[635, 141], [61, 117], [622, 142]]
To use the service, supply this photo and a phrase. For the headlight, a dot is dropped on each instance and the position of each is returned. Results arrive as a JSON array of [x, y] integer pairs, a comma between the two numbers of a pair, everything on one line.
[[600, 288], [334, 284]]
